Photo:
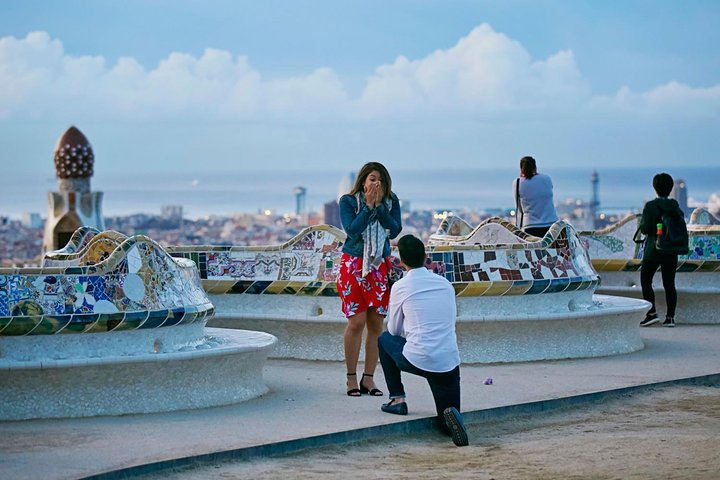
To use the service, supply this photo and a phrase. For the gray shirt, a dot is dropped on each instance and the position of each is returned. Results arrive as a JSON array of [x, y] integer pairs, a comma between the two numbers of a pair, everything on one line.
[[536, 200]]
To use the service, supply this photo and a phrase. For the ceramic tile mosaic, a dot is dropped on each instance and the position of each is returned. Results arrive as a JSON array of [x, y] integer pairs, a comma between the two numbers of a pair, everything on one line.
[[700, 216], [96, 248], [454, 226], [74, 157], [614, 249], [137, 285], [80, 238], [494, 231], [309, 264]]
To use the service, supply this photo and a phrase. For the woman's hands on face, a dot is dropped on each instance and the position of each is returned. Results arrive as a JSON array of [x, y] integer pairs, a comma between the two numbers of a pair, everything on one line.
[[374, 195], [373, 190]]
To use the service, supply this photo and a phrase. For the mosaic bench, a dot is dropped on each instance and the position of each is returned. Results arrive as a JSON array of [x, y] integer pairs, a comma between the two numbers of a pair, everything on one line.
[[701, 216], [87, 246], [453, 230], [617, 259], [516, 301], [123, 335]]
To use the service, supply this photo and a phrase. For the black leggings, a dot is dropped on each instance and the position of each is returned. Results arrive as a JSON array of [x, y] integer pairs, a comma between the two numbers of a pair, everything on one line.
[[668, 265]]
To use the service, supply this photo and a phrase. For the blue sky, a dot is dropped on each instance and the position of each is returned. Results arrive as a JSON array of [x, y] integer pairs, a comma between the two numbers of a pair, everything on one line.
[[238, 85]]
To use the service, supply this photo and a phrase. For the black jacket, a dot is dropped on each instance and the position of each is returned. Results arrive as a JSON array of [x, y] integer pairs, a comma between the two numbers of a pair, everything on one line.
[[651, 216]]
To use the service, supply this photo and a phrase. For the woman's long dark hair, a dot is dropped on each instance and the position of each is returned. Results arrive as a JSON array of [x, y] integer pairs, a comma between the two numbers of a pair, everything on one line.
[[528, 167], [366, 170]]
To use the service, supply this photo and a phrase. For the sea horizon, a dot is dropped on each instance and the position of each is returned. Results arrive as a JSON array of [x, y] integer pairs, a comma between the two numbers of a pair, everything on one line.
[[202, 193]]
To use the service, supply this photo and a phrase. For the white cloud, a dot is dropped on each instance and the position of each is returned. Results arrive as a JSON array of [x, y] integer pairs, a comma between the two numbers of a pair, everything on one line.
[[485, 75], [313, 96], [671, 99]]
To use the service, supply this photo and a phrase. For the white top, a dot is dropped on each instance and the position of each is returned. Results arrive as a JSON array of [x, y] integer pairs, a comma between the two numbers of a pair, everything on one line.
[[423, 310], [536, 200]]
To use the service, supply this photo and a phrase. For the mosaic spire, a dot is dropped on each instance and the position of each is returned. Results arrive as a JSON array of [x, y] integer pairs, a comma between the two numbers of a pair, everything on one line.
[[74, 156]]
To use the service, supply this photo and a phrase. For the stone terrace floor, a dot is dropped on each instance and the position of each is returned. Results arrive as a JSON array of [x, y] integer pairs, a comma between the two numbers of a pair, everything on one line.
[[307, 400]]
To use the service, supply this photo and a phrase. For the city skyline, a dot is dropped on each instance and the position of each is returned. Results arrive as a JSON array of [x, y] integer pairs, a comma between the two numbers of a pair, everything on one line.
[[243, 86]]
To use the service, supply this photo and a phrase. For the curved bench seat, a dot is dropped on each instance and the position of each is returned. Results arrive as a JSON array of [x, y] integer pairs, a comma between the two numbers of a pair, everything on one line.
[[701, 216], [453, 230], [220, 368], [289, 290], [87, 246], [617, 258], [122, 335], [138, 286]]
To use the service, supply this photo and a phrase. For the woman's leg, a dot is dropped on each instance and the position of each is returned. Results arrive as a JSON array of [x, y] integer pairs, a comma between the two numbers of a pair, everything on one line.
[[374, 329], [352, 341]]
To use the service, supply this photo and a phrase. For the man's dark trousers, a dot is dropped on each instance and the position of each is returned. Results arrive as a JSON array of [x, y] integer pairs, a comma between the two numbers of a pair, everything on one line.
[[445, 386], [668, 265]]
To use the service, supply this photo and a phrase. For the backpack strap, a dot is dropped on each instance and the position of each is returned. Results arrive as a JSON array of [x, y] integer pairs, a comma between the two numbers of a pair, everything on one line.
[[638, 238], [518, 207]]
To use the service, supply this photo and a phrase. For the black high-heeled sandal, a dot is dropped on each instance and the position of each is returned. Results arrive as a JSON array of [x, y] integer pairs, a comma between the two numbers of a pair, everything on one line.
[[353, 392], [374, 392]]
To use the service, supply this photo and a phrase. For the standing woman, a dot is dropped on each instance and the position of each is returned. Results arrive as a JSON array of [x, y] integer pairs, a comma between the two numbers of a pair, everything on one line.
[[370, 216], [534, 204]]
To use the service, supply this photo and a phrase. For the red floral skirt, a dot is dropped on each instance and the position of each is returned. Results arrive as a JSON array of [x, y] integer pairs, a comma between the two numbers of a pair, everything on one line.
[[359, 293]]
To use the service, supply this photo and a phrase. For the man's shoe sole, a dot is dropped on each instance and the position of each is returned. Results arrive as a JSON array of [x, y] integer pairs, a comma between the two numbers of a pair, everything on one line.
[[650, 322], [454, 422]]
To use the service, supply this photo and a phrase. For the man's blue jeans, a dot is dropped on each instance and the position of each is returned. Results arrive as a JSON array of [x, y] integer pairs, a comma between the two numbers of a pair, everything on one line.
[[445, 386]]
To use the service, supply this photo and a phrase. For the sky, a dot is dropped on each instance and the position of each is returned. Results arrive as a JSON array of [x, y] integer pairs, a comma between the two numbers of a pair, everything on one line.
[[221, 85]]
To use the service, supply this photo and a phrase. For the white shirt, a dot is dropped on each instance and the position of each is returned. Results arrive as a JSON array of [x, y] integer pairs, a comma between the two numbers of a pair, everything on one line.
[[423, 310]]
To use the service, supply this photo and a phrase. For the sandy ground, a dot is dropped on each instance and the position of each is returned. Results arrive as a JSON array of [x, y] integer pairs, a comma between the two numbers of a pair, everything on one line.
[[667, 433]]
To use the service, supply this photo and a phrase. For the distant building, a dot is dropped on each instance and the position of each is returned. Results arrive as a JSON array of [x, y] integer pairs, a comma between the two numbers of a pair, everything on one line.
[[595, 200], [74, 205], [300, 198], [679, 193], [577, 213], [171, 212], [332, 214], [31, 220], [346, 184]]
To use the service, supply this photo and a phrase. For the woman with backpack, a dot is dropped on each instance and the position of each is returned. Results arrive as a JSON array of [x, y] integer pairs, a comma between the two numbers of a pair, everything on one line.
[[534, 204], [370, 216], [663, 223]]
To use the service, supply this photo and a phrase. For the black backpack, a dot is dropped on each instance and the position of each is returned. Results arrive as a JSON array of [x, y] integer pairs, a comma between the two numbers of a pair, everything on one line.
[[674, 236]]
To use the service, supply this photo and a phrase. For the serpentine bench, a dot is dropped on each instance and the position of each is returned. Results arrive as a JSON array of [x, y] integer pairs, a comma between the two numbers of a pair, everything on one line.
[[453, 230], [122, 335], [527, 299], [617, 259]]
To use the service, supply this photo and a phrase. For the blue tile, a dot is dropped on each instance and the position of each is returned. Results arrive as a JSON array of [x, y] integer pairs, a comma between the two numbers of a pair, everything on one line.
[[538, 286]]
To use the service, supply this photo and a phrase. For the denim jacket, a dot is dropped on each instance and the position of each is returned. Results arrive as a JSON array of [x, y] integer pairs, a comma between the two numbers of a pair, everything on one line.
[[355, 222]]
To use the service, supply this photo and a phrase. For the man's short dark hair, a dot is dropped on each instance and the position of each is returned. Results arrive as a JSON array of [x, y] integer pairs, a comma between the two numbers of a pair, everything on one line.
[[412, 251], [663, 184]]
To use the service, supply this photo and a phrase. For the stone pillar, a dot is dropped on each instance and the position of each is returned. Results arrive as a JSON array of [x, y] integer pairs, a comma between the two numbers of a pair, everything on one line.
[[74, 205]]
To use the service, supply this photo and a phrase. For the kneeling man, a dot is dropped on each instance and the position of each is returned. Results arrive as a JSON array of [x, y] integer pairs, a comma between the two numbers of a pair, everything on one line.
[[420, 339]]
